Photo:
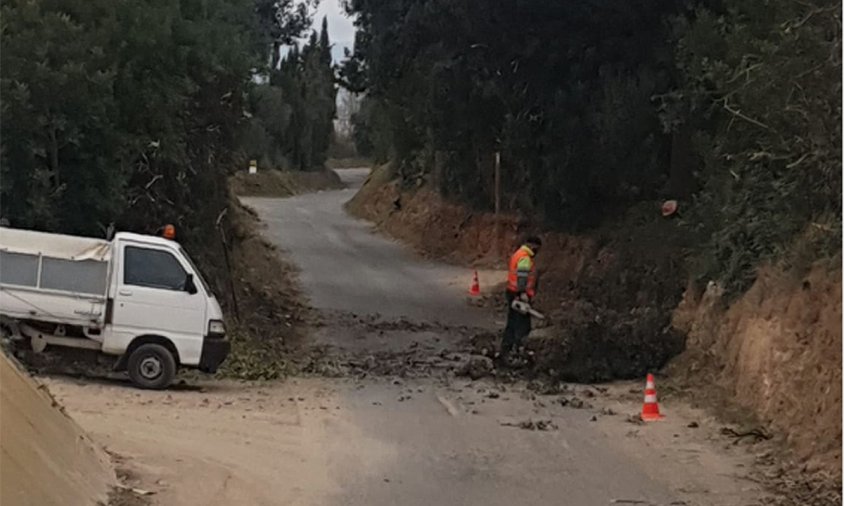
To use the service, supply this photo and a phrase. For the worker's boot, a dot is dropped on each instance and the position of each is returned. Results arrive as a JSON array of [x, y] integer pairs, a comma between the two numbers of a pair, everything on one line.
[[502, 358]]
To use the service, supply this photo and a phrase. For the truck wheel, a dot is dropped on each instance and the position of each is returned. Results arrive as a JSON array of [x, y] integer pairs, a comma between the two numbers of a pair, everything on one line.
[[152, 366]]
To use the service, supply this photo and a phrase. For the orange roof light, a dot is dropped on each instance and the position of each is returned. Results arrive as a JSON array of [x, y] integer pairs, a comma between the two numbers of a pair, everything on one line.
[[169, 232]]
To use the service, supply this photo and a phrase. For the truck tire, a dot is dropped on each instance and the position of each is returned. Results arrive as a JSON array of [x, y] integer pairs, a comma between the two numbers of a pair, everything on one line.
[[152, 366]]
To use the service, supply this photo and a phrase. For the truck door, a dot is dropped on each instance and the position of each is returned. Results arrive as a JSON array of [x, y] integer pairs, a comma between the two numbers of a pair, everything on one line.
[[152, 299]]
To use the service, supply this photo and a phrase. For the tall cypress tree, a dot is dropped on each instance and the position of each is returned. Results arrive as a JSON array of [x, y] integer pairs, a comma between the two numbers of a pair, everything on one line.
[[324, 44]]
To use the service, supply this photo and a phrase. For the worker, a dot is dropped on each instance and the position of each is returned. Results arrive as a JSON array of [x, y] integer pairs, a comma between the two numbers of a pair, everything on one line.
[[521, 284]]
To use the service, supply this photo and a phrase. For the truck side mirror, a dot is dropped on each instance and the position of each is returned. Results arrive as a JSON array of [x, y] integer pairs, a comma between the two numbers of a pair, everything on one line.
[[190, 286]]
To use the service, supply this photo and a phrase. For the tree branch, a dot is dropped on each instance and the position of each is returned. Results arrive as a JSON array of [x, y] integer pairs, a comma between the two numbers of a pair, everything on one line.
[[739, 114]]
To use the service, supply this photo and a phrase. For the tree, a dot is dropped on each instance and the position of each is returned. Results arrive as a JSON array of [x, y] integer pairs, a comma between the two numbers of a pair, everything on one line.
[[125, 111], [60, 147], [465, 82], [304, 91], [766, 81], [281, 22]]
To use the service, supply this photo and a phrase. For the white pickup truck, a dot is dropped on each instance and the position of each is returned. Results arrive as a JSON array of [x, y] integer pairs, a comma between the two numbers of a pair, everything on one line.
[[137, 297]]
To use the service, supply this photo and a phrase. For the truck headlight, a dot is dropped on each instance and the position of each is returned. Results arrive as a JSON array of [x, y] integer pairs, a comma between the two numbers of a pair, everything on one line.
[[216, 328]]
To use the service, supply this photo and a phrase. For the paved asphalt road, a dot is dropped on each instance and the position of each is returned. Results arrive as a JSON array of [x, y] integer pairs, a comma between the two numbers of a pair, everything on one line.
[[346, 266]]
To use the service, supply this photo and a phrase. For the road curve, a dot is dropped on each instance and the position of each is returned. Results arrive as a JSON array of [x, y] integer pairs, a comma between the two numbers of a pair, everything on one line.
[[345, 266]]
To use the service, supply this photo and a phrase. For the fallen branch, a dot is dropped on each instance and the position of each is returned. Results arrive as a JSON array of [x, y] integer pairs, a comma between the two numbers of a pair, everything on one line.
[[758, 434], [542, 425]]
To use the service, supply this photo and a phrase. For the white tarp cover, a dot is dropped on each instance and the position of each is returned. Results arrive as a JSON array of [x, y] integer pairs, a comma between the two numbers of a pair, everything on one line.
[[66, 247]]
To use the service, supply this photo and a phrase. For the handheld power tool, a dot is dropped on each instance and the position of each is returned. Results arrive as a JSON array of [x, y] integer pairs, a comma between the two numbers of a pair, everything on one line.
[[524, 308]]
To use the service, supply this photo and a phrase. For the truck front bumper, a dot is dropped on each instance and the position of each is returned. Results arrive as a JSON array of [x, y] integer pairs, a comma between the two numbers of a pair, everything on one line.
[[214, 352]]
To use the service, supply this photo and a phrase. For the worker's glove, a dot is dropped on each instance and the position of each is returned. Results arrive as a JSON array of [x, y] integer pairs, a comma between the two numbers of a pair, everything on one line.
[[524, 297]]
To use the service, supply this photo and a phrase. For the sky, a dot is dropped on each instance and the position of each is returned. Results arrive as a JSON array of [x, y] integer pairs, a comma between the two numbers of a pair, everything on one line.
[[341, 32]]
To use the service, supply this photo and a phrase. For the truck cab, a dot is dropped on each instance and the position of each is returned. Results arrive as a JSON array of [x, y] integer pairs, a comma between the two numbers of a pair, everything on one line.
[[137, 297], [158, 297]]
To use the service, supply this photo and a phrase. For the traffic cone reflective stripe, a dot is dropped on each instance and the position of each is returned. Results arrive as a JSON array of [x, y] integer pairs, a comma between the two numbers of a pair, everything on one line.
[[475, 289], [650, 408]]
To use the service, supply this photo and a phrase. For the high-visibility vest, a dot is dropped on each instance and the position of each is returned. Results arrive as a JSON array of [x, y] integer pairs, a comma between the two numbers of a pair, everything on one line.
[[521, 276]]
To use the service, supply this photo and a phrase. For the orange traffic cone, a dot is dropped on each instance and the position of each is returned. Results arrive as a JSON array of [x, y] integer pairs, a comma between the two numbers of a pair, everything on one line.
[[650, 408], [475, 289]]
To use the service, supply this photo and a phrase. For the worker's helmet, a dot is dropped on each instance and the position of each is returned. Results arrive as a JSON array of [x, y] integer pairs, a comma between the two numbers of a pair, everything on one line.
[[534, 242]]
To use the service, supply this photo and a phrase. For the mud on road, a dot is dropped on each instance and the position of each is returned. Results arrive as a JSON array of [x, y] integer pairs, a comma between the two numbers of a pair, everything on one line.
[[348, 441]]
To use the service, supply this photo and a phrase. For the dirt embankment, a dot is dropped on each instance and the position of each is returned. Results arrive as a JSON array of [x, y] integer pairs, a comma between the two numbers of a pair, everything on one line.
[[46, 459], [619, 306], [434, 227], [264, 302], [777, 352]]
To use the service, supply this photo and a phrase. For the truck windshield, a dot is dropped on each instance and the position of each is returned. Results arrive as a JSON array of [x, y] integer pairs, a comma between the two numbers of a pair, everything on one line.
[[197, 274]]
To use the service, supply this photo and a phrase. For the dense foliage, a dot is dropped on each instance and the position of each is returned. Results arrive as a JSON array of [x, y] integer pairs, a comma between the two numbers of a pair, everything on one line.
[[562, 89], [120, 111], [760, 87], [732, 106], [133, 112]]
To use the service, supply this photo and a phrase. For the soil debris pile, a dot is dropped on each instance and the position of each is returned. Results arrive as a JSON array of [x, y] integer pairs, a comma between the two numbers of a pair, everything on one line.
[[271, 314], [275, 183], [609, 296], [599, 343], [476, 368], [440, 353]]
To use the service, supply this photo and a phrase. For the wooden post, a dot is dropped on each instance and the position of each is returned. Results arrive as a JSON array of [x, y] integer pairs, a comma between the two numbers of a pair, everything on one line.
[[497, 181], [497, 203]]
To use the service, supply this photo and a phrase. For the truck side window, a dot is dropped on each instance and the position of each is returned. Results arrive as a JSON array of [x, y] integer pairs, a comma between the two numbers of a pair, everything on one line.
[[152, 268]]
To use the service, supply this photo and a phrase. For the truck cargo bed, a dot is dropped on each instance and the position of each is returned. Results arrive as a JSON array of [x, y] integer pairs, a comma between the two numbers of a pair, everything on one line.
[[52, 277]]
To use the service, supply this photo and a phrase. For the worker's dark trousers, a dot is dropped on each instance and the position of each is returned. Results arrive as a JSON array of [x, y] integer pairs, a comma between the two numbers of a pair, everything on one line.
[[518, 327]]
